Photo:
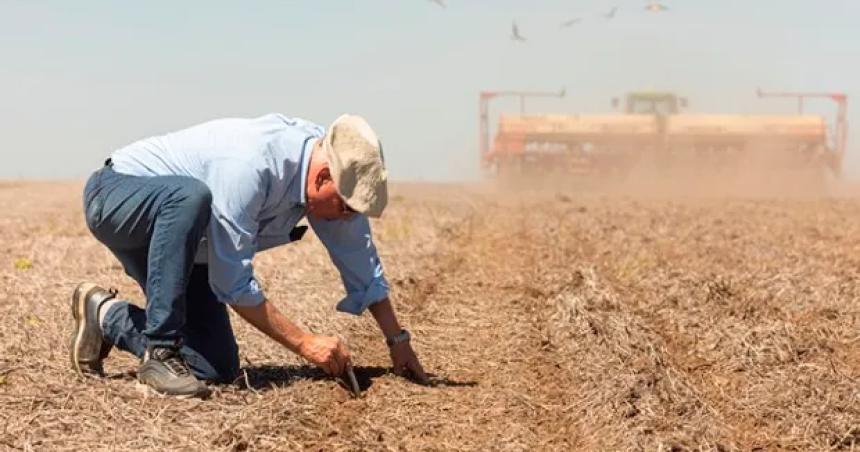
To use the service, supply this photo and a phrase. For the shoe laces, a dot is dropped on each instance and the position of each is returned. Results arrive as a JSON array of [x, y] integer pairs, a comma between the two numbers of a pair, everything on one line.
[[172, 359]]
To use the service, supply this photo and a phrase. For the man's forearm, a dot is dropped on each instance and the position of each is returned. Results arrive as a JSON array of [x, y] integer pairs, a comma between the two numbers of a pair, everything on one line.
[[268, 319], [403, 358], [383, 312]]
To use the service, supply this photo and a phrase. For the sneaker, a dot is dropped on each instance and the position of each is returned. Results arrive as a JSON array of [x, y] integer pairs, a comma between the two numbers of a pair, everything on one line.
[[164, 370], [88, 348]]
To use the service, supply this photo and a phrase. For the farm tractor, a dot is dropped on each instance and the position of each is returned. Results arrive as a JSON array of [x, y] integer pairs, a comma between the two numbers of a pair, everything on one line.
[[653, 130]]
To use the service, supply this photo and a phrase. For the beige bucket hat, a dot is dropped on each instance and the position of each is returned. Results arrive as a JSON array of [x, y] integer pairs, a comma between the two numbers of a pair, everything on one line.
[[357, 166]]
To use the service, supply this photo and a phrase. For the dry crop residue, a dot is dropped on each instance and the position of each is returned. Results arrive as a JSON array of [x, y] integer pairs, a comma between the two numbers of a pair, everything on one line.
[[550, 321]]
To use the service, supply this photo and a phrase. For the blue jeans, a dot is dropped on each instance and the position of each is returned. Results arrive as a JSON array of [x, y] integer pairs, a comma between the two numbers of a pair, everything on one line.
[[153, 226]]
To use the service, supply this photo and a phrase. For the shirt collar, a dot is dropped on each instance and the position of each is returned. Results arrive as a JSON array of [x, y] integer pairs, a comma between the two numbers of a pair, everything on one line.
[[307, 150]]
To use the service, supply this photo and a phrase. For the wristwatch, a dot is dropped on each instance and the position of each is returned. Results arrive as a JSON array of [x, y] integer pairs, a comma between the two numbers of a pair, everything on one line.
[[402, 336]]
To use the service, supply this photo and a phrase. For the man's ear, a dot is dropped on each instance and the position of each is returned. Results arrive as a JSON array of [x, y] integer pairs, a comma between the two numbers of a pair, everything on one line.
[[323, 175]]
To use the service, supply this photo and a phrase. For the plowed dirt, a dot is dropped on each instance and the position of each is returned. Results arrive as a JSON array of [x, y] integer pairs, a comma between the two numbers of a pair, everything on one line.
[[550, 321]]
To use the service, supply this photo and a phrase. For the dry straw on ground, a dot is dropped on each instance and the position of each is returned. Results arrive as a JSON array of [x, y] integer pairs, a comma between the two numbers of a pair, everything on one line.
[[551, 322]]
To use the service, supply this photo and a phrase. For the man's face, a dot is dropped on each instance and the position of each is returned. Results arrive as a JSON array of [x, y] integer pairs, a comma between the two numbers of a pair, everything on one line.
[[326, 203]]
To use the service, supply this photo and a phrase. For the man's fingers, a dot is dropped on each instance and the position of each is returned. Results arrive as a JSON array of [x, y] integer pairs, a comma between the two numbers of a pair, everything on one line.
[[342, 362], [330, 367], [330, 354], [342, 356], [406, 364], [418, 371], [415, 371], [343, 351], [335, 364]]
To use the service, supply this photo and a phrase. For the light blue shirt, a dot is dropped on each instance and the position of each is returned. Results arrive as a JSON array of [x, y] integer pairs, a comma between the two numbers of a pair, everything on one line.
[[256, 170]]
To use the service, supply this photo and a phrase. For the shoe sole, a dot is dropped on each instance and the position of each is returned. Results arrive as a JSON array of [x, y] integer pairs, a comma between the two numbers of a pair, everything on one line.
[[79, 306], [149, 391]]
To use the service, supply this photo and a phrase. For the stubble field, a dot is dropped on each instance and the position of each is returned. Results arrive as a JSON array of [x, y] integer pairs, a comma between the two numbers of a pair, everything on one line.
[[550, 321]]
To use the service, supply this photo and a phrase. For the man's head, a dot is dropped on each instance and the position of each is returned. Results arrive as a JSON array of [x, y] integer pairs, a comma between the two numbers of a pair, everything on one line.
[[347, 172]]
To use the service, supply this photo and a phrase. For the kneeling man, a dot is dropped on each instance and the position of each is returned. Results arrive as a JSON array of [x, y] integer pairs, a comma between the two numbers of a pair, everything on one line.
[[184, 213]]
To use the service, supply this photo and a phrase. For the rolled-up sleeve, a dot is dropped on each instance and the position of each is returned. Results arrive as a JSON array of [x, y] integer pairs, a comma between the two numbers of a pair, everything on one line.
[[237, 199], [351, 248]]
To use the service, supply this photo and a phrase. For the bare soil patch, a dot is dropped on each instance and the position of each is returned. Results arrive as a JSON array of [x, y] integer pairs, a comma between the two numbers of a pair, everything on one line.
[[551, 321]]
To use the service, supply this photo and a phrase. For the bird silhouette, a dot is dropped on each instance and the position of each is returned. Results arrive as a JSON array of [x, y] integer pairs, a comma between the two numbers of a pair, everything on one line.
[[515, 33], [570, 23], [656, 7], [438, 2], [611, 13]]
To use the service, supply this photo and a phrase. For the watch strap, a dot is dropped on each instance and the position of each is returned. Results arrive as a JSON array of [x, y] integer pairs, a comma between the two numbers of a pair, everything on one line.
[[402, 336]]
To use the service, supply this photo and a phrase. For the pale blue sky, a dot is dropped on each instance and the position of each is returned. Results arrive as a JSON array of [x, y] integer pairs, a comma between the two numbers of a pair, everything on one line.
[[80, 78]]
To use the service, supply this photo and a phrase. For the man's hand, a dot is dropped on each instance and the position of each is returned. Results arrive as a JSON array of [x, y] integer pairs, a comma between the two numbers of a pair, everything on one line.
[[329, 353], [406, 364], [403, 358]]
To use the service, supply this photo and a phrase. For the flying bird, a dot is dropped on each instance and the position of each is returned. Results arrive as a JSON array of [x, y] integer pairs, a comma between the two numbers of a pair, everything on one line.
[[656, 7], [439, 2], [515, 33], [611, 13], [571, 22]]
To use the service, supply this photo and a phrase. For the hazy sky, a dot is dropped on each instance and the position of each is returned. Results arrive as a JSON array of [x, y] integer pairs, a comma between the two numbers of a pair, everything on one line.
[[81, 78]]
